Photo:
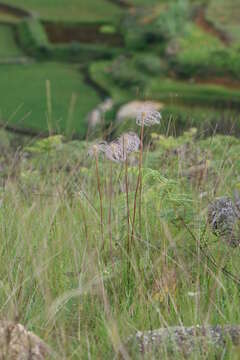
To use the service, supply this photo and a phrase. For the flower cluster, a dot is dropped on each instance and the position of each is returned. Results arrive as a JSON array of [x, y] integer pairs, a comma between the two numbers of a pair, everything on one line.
[[119, 149], [148, 117]]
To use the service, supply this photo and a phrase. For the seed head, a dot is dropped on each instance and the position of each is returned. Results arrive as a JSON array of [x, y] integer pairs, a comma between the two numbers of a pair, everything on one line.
[[119, 149], [148, 117], [97, 148], [115, 152], [130, 141]]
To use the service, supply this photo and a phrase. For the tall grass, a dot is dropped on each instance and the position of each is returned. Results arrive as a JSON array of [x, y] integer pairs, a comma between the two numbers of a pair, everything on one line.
[[59, 281]]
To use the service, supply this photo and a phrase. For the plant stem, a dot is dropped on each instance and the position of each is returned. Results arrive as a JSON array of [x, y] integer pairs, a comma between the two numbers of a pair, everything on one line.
[[138, 181], [110, 213], [100, 198], [128, 213]]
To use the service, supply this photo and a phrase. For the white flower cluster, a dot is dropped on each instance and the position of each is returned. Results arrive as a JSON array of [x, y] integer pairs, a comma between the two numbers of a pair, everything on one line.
[[148, 117], [119, 149]]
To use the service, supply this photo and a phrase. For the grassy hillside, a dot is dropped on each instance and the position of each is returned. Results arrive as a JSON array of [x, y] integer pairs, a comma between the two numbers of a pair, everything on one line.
[[64, 279], [25, 102]]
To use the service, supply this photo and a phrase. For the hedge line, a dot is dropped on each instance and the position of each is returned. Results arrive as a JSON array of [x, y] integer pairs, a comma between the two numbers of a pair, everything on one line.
[[33, 38]]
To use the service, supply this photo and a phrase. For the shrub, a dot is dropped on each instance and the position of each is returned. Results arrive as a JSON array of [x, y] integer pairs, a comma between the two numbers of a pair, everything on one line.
[[107, 29], [150, 64], [171, 22], [124, 72], [78, 52], [204, 54]]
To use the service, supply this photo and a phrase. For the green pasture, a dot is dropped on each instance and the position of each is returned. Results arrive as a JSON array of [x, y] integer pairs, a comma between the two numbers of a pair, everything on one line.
[[174, 91], [165, 89], [24, 97], [99, 74], [8, 46], [71, 10]]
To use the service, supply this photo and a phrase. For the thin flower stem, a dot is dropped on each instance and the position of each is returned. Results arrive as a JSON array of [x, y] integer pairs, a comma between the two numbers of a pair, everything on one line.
[[128, 213], [110, 213], [100, 198], [140, 175], [138, 181]]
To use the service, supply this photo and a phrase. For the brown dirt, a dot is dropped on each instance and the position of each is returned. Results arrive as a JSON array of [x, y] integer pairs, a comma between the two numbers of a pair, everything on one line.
[[59, 33], [222, 81]]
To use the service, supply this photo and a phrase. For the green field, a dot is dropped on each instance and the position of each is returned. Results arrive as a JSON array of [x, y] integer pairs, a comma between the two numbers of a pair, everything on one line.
[[8, 46], [166, 89], [209, 94], [142, 70], [26, 95], [71, 10]]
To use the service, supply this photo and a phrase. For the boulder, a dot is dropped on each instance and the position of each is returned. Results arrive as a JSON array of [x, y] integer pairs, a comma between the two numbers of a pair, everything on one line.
[[185, 340], [16, 343], [96, 115]]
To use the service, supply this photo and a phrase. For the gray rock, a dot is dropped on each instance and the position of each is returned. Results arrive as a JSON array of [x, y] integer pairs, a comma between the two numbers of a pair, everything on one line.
[[183, 339], [223, 217], [96, 116]]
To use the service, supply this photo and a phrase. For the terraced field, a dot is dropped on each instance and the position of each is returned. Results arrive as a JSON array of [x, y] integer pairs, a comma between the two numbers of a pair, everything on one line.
[[24, 104], [171, 51], [71, 10]]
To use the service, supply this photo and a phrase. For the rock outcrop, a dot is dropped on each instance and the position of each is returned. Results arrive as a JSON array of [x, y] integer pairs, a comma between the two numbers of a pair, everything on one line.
[[183, 339], [96, 116]]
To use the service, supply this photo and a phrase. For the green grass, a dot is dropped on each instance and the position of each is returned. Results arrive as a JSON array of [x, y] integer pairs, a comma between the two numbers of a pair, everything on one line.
[[197, 49], [59, 281], [99, 74], [210, 94], [204, 54], [165, 89], [8, 46], [71, 10], [225, 16], [23, 89]]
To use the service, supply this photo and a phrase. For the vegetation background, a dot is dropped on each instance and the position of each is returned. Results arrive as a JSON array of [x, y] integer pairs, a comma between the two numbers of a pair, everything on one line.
[[86, 260]]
